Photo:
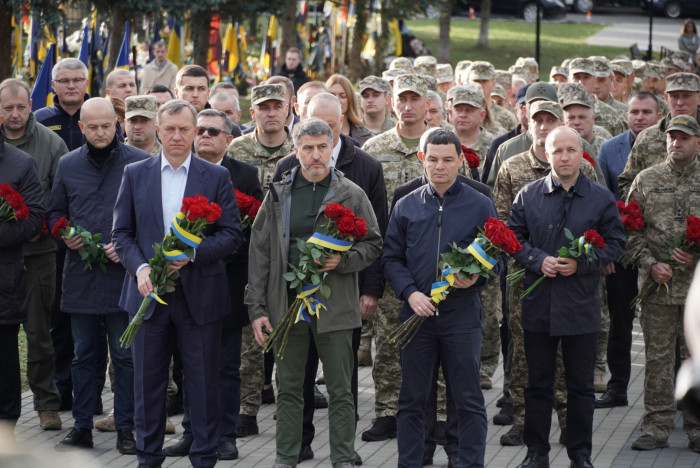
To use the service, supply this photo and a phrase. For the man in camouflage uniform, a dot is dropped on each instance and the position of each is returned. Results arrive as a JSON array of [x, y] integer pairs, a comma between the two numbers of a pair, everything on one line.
[[375, 101], [559, 75], [484, 74], [582, 70], [515, 174], [625, 70], [667, 193], [425, 65], [140, 123], [401, 62], [654, 81], [532, 66], [650, 146], [462, 71], [397, 150], [604, 82], [432, 83], [499, 96], [445, 77], [505, 79], [263, 148]]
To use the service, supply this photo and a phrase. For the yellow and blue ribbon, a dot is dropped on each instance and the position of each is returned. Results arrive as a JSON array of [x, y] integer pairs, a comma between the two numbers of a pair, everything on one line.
[[330, 242], [155, 296], [478, 252], [439, 290], [311, 304], [658, 288], [583, 246], [189, 239], [71, 233]]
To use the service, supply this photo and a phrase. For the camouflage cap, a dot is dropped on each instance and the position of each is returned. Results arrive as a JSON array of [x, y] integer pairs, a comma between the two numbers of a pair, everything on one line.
[[541, 90], [582, 65], [547, 106], [504, 78], [602, 66], [574, 93], [683, 82], [640, 68], [655, 70], [267, 92], [462, 65], [499, 91], [389, 75], [444, 73], [559, 71], [482, 71], [685, 124], [566, 63], [144, 106], [401, 62], [531, 64], [626, 65], [472, 94], [374, 82], [426, 65], [684, 56], [415, 83], [430, 81], [520, 72]]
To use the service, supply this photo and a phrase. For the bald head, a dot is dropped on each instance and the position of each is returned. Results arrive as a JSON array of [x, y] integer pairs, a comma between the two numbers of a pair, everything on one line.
[[326, 107], [98, 122], [121, 84], [563, 150], [304, 96]]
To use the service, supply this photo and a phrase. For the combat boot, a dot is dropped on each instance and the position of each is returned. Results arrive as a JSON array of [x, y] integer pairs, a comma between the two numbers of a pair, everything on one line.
[[383, 428]]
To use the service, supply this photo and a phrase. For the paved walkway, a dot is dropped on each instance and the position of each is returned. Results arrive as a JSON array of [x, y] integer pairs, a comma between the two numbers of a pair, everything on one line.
[[614, 432], [627, 30]]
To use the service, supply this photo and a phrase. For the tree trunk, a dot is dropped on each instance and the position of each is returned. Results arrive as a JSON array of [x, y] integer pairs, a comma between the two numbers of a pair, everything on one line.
[[200, 36], [288, 36], [356, 70], [382, 39], [443, 52], [483, 42], [119, 17], [253, 25], [5, 41]]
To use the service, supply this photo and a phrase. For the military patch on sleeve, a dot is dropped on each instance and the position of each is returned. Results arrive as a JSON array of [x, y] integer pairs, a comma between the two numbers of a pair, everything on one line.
[[54, 127]]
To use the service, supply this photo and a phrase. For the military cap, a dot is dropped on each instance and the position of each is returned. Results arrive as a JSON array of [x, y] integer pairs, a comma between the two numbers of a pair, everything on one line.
[[574, 93], [522, 93], [392, 73], [566, 63], [499, 91], [462, 65], [547, 106], [472, 94], [531, 64], [444, 73], [582, 65], [541, 90], [426, 65], [482, 71], [504, 78], [559, 71], [685, 124], [626, 65], [520, 72], [430, 81], [684, 56], [640, 68], [656, 70], [415, 83], [144, 106], [374, 82], [400, 62], [267, 92], [683, 82], [602, 66]]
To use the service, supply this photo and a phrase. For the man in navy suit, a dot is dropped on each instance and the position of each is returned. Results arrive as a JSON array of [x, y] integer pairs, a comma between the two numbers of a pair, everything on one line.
[[642, 113], [149, 197]]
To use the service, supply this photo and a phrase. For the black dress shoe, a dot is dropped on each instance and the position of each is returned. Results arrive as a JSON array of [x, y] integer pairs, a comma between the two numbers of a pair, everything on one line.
[[174, 405], [99, 409], [143, 465], [358, 459], [581, 461], [227, 451], [247, 425], [268, 396], [427, 460], [453, 460], [126, 444], [305, 454], [320, 401], [181, 449], [535, 460], [76, 438], [66, 402], [610, 399]]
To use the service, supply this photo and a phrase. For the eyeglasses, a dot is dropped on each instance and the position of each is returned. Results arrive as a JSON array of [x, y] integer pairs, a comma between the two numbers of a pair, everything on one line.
[[66, 81], [213, 132]]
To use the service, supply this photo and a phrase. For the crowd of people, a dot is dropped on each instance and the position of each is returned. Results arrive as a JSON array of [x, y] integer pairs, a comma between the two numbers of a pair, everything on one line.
[[426, 155]]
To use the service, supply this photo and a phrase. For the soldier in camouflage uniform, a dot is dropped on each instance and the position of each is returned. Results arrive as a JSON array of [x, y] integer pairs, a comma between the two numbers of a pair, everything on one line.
[[650, 146], [484, 74], [666, 193], [462, 71], [425, 65], [654, 81], [624, 68], [582, 70], [559, 75], [375, 100], [264, 147], [432, 83], [401, 62], [445, 77], [499, 96], [397, 150], [140, 115], [604, 81], [515, 174]]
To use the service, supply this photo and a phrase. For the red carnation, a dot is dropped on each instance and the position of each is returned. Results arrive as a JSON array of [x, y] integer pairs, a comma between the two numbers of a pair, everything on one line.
[[5, 189], [633, 208], [588, 158], [346, 225], [59, 226], [621, 208], [214, 212], [195, 212], [22, 212], [14, 199], [360, 230], [473, 160], [594, 239], [244, 202], [335, 211]]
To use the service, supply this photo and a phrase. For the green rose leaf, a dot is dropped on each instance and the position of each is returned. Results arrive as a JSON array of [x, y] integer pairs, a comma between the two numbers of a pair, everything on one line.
[[290, 276], [326, 291]]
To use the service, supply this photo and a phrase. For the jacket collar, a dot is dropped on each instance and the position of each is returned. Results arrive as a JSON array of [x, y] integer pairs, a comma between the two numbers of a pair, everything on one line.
[[454, 190], [687, 170], [57, 104], [398, 144], [581, 187], [347, 152], [535, 162]]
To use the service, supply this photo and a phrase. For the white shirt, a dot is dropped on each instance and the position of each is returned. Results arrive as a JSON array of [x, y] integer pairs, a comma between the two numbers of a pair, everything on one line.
[[336, 153]]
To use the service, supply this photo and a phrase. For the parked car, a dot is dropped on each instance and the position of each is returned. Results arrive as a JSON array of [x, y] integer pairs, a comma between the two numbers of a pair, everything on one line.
[[526, 9], [584, 6], [674, 8]]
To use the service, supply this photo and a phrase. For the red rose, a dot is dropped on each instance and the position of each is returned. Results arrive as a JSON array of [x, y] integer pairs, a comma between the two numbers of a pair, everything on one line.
[[186, 202], [200, 200], [244, 202], [594, 239], [214, 212], [14, 199], [346, 225], [588, 158], [5, 189], [22, 212], [44, 228], [493, 226], [692, 221], [254, 208], [58, 227], [360, 230], [499, 239], [512, 245], [621, 208], [195, 212], [473, 160], [334, 211]]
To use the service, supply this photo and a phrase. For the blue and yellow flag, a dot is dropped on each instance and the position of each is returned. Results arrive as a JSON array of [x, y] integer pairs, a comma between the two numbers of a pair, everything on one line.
[[267, 53], [231, 57], [123, 58], [175, 44], [33, 46], [16, 45], [42, 94], [84, 54]]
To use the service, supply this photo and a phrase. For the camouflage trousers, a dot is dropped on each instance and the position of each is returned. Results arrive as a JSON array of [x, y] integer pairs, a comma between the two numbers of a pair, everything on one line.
[[493, 313], [601, 358], [518, 369], [367, 334], [387, 369], [252, 373], [441, 397], [662, 326]]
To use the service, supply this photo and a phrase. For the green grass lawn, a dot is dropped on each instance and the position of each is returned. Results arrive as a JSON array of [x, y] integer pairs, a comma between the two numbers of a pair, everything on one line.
[[509, 40]]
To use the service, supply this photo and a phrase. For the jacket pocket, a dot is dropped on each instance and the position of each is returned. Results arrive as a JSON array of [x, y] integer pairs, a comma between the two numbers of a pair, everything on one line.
[[212, 269]]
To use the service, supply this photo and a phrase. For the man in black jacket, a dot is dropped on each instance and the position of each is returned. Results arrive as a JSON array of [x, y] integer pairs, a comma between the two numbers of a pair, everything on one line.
[[210, 144], [294, 69], [18, 170], [366, 172]]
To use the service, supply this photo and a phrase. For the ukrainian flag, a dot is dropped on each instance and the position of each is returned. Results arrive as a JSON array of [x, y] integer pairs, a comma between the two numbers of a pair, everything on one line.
[[123, 58], [42, 94], [84, 54], [230, 50], [17, 45], [175, 44], [267, 57]]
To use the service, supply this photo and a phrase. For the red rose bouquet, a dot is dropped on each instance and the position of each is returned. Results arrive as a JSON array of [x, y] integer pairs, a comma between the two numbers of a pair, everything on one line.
[[92, 249], [631, 215], [690, 244], [584, 245], [473, 161], [44, 228], [588, 158], [184, 237], [478, 258], [11, 204], [248, 207], [338, 235]]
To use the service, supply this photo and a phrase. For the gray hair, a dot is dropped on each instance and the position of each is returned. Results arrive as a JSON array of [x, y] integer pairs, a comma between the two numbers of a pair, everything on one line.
[[324, 99], [70, 64], [228, 125], [174, 107], [221, 86], [433, 96], [312, 127], [222, 96]]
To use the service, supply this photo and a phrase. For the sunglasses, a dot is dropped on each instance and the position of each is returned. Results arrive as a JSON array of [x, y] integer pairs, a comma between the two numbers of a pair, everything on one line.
[[213, 132]]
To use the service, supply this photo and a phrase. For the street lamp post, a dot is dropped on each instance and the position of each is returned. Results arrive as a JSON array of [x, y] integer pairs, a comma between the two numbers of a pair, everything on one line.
[[537, 41], [651, 25]]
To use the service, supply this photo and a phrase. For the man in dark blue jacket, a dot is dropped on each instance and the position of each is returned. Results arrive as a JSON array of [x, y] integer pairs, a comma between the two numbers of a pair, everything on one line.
[[422, 226], [85, 191], [566, 305]]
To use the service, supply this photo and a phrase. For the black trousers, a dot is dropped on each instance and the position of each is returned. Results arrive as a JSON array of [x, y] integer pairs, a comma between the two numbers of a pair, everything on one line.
[[309, 431], [10, 380], [452, 423], [622, 288], [579, 352]]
